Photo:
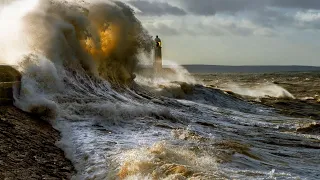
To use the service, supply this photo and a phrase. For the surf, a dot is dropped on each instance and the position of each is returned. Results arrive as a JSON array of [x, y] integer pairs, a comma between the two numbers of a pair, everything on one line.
[[80, 71]]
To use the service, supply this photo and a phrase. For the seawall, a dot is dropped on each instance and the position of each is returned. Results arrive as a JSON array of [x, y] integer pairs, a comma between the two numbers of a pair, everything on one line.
[[9, 81]]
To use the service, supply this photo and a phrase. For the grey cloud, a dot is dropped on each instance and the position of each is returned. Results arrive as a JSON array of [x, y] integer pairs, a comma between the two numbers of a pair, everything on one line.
[[271, 18], [208, 29], [157, 8], [300, 4], [260, 12], [163, 29], [261, 16], [310, 21], [183, 29], [204, 7], [276, 18], [210, 7]]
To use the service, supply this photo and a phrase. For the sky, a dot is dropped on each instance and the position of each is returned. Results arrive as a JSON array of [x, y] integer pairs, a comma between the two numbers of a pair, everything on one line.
[[234, 32]]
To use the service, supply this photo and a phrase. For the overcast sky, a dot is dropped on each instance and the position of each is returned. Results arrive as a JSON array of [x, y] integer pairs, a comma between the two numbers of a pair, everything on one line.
[[235, 32]]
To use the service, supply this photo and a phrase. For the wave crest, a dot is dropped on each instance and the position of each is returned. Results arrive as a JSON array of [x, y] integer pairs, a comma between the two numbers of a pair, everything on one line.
[[50, 38]]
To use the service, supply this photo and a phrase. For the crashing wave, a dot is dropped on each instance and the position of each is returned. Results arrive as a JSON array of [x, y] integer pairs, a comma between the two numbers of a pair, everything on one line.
[[264, 90], [49, 39]]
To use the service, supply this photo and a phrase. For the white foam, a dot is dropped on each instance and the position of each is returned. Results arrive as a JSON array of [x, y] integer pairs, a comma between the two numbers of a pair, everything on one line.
[[177, 74], [263, 90]]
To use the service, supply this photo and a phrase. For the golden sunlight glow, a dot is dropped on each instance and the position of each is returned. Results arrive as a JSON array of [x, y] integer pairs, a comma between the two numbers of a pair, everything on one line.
[[108, 41], [158, 44], [11, 32]]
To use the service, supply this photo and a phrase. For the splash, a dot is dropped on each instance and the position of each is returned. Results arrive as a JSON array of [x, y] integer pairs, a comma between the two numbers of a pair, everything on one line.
[[40, 81], [48, 39], [164, 161], [120, 39], [264, 90], [173, 81], [104, 38], [171, 73]]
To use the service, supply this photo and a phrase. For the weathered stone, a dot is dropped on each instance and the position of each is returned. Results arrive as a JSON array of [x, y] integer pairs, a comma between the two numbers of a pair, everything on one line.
[[28, 148], [9, 80]]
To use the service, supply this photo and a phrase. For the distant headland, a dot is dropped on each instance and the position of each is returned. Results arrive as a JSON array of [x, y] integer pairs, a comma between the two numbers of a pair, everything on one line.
[[192, 68]]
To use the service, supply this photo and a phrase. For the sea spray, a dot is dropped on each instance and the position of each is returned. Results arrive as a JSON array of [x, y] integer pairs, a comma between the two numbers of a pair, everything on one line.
[[262, 90], [40, 81], [99, 39], [173, 81]]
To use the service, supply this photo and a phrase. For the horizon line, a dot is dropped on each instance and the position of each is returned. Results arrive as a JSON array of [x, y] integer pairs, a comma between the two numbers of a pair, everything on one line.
[[249, 65]]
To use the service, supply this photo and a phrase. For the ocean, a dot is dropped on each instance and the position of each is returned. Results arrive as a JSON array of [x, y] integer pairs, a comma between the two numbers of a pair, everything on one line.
[[78, 62], [168, 131]]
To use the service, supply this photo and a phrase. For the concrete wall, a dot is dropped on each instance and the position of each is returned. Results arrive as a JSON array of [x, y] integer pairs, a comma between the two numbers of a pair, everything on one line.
[[9, 79]]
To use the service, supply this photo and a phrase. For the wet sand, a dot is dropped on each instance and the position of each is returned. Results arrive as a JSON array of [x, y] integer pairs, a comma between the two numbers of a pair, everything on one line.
[[27, 148]]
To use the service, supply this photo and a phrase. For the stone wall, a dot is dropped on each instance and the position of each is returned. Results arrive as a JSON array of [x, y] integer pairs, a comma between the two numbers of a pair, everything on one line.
[[9, 79]]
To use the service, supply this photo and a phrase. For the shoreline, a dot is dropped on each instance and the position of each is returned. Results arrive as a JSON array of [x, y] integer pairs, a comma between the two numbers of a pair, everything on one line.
[[28, 148]]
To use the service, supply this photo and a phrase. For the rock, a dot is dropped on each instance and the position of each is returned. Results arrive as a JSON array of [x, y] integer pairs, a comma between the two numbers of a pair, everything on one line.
[[313, 128], [28, 148]]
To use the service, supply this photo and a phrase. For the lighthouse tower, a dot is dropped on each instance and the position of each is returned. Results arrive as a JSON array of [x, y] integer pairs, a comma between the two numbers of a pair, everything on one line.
[[157, 65]]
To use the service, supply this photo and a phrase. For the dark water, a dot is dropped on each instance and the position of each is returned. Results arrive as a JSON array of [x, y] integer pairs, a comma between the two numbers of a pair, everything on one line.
[[300, 84], [304, 86]]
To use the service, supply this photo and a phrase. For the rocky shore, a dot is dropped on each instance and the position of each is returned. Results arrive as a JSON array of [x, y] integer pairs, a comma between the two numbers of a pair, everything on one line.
[[27, 148]]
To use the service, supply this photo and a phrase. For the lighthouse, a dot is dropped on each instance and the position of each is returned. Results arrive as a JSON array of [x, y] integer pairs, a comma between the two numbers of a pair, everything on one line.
[[157, 65]]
